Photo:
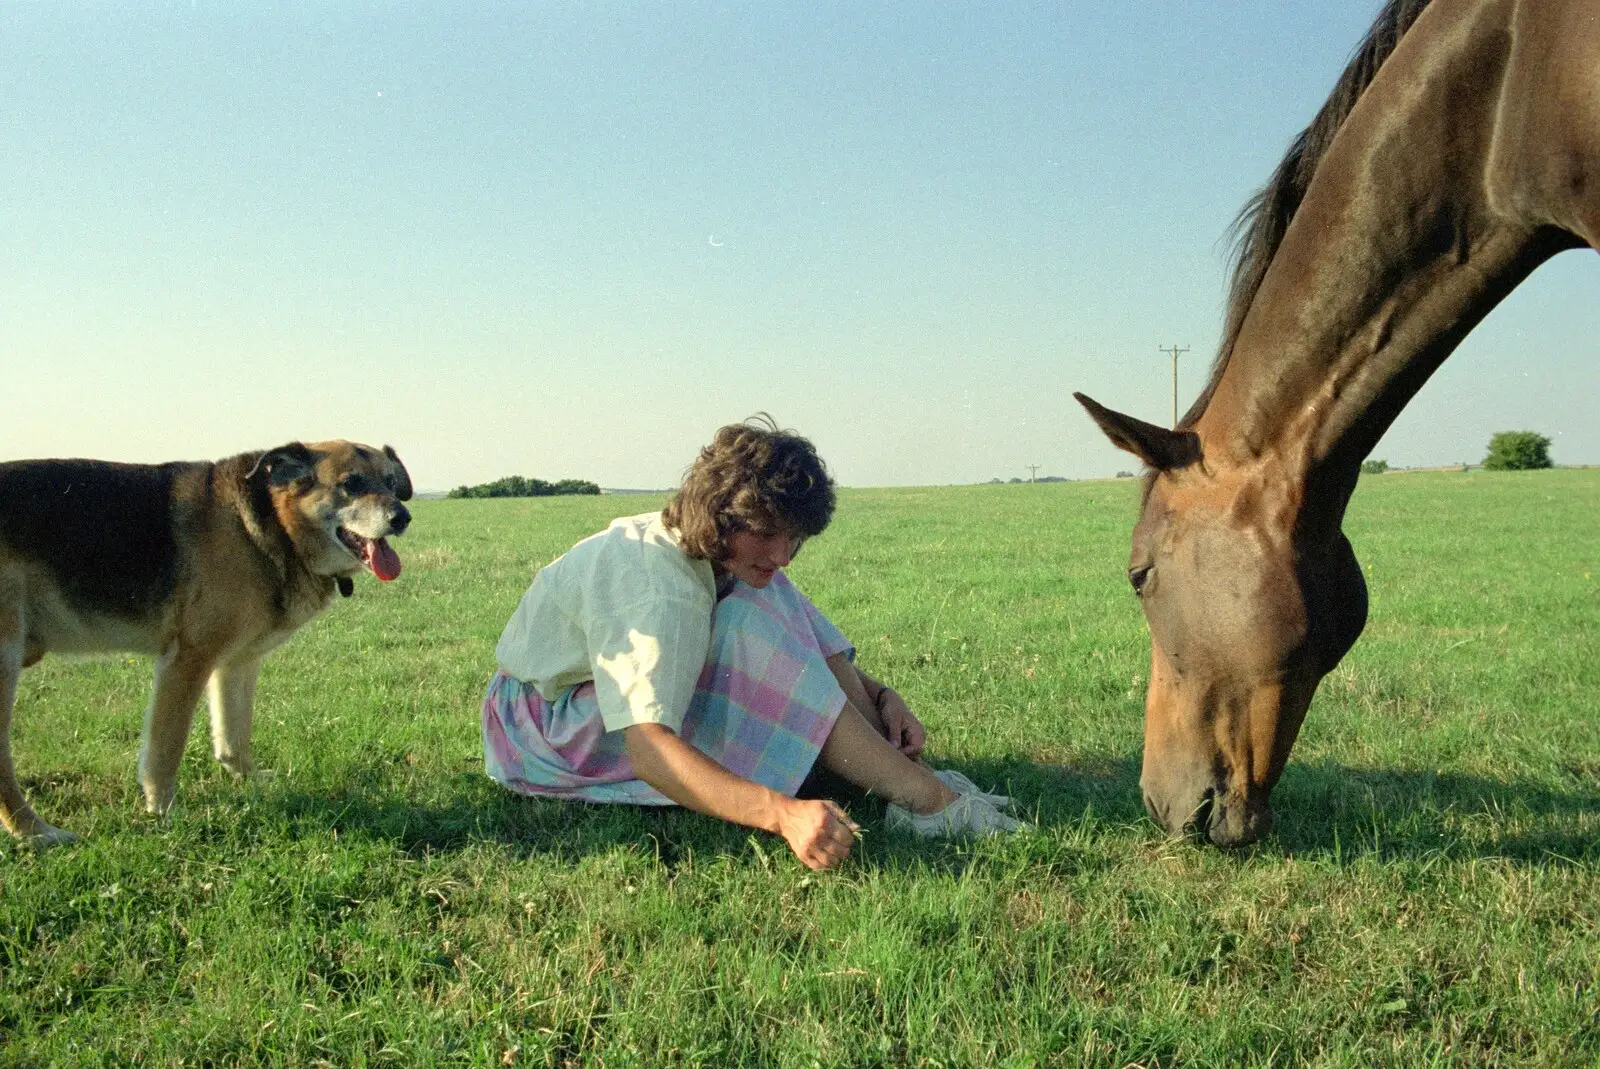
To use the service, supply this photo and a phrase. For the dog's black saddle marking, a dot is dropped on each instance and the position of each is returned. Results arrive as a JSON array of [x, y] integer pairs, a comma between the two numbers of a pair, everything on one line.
[[104, 530]]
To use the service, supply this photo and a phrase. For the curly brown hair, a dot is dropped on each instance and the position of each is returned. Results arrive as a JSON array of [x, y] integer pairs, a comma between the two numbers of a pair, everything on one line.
[[752, 477]]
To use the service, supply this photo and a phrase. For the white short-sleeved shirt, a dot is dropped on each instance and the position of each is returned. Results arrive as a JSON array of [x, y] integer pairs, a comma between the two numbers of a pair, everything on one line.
[[625, 608]]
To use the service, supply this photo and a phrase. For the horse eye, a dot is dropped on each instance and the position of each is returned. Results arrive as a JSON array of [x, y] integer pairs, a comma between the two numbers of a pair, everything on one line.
[[1138, 576]]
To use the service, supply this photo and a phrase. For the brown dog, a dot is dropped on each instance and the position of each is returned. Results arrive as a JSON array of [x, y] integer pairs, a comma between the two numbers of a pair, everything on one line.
[[207, 566]]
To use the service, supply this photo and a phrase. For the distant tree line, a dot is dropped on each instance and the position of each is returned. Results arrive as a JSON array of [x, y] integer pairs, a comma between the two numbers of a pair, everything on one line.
[[1508, 451], [521, 486], [1517, 451]]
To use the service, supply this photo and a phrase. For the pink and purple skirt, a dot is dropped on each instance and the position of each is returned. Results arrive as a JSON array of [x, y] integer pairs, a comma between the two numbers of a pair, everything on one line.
[[765, 703]]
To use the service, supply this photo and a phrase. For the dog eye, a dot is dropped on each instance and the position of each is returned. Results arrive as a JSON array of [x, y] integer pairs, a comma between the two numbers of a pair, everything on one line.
[[355, 485], [1138, 577]]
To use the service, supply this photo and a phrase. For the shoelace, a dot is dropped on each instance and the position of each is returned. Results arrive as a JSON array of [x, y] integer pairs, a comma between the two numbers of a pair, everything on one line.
[[967, 814], [972, 814], [964, 786]]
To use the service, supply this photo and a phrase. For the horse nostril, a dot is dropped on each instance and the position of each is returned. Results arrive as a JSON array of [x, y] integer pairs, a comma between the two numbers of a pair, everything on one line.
[[1200, 820], [1154, 812]]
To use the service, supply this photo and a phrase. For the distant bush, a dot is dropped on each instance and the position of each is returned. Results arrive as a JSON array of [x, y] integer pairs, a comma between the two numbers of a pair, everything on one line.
[[1374, 467], [518, 486], [1517, 451]]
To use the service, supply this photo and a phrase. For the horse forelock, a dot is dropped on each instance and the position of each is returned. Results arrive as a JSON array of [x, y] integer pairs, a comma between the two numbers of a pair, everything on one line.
[[1259, 228]]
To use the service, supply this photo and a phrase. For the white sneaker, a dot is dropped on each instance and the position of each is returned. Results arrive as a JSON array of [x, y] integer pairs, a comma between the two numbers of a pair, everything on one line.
[[962, 785], [967, 815]]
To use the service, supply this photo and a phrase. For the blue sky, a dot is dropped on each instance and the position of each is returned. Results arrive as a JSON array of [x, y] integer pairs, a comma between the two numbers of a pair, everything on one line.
[[570, 240]]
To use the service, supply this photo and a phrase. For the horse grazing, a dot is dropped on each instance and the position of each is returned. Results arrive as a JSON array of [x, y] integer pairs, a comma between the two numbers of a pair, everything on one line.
[[1459, 150]]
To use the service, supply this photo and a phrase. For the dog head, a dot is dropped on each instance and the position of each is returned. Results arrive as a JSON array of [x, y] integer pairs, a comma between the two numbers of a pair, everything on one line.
[[339, 502]]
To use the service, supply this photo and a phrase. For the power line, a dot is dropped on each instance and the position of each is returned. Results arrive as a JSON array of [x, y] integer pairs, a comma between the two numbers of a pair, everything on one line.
[[1174, 350]]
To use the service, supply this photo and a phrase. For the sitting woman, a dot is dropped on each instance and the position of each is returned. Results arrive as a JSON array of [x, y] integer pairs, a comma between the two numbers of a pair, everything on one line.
[[668, 659]]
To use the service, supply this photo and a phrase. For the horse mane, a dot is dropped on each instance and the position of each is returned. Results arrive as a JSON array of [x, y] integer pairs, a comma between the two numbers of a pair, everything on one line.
[[1259, 228]]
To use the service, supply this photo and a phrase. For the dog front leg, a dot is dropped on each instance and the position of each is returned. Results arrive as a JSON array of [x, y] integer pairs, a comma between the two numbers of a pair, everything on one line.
[[232, 694], [180, 676], [15, 812]]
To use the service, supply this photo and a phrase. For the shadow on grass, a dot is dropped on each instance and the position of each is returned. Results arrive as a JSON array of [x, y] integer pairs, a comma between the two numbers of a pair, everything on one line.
[[1325, 812], [1333, 811], [469, 809]]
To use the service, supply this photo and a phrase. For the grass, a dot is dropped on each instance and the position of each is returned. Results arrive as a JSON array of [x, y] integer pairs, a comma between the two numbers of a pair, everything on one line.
[[1431, 896]]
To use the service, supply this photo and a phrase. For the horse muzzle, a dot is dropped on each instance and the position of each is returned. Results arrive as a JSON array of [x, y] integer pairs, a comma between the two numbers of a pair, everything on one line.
[[1210, 812]]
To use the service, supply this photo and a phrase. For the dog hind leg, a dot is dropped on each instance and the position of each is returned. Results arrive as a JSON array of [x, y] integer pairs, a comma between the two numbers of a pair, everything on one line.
[[15, 812], [232, 693], [180, 676]]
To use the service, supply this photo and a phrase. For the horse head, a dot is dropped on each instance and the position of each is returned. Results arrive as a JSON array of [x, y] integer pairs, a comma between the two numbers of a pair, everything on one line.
[[1453, 157], [1251, 600]]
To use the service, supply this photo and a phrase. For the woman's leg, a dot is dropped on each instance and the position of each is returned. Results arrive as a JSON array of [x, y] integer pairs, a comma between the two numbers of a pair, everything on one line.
[[857, 752]]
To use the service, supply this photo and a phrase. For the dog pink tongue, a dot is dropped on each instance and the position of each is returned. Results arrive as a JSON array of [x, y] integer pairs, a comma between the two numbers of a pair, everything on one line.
[[382, 559]]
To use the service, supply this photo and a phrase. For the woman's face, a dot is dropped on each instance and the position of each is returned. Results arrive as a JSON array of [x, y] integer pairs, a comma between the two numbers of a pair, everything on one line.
[[755, 557]]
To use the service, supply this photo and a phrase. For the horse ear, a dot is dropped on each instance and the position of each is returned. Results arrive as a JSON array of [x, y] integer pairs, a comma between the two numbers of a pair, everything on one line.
[[1158, 447]]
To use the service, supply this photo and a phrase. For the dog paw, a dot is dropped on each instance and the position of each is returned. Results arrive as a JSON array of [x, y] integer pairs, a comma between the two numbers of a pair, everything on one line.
[[43, 836], [243, 766], [157, 801]]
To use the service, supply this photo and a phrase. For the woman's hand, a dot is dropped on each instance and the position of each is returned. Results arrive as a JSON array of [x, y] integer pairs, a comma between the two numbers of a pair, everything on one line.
[[900, 725], [819, 832], [880, 705]]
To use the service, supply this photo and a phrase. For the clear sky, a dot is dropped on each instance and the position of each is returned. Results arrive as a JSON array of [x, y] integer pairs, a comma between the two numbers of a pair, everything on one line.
[[569, 240]]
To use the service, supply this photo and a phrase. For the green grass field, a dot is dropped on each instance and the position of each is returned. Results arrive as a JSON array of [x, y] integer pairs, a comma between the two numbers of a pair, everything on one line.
[[1431, 895]]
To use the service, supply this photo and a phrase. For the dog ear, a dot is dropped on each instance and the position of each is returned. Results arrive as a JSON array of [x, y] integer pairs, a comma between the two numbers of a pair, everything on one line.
[[402, 482], [285, 465]]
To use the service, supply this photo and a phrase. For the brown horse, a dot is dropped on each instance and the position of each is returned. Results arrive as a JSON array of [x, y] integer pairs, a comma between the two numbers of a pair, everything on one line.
[[1460, 149]]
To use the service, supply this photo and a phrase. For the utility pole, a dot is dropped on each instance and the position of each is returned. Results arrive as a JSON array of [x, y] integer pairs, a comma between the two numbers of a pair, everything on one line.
[[1174, 350], [1033, 469]]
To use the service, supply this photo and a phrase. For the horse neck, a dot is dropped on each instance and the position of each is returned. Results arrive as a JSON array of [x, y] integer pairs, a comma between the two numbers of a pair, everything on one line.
[[1395, 253]]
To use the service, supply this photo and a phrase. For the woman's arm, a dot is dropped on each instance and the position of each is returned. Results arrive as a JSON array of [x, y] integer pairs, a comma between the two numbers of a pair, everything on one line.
[[880, 705], [819, 832]]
